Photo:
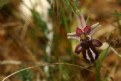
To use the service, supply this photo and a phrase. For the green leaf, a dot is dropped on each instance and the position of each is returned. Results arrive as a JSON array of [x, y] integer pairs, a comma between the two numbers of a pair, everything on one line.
[[98, 63], [105, 78], [117, 14], [103, 54], [70, 6], [3, 2], [26, 75], [38, 20], [118, 18]]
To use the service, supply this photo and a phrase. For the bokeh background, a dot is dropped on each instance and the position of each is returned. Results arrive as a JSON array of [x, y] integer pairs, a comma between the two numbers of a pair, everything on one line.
[[34, 32]]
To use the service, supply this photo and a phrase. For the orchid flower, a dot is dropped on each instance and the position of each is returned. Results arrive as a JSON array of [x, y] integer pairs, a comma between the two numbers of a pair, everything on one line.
[[87, 45], [82, 28]]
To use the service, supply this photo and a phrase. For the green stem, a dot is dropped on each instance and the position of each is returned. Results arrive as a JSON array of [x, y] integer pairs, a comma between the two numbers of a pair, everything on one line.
[[118, 22], [97, 67]]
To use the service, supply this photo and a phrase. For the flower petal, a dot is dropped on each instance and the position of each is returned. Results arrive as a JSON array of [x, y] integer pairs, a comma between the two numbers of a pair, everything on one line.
[[87, 29], [78, 49], [73, 37], [78, 31], [79, 22], [83, 22], [96, 43], [71, 34], [95, 27]]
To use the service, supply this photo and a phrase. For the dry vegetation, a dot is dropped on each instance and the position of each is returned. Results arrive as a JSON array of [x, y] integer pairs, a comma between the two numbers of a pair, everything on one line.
[[27, 41]]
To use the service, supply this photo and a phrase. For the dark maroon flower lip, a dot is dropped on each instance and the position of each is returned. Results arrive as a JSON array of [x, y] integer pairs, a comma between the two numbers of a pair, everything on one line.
[[86, 44], [88, 49]]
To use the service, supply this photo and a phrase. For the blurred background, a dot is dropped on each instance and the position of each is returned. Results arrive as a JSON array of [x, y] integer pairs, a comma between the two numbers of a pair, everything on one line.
[[34, 32]]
